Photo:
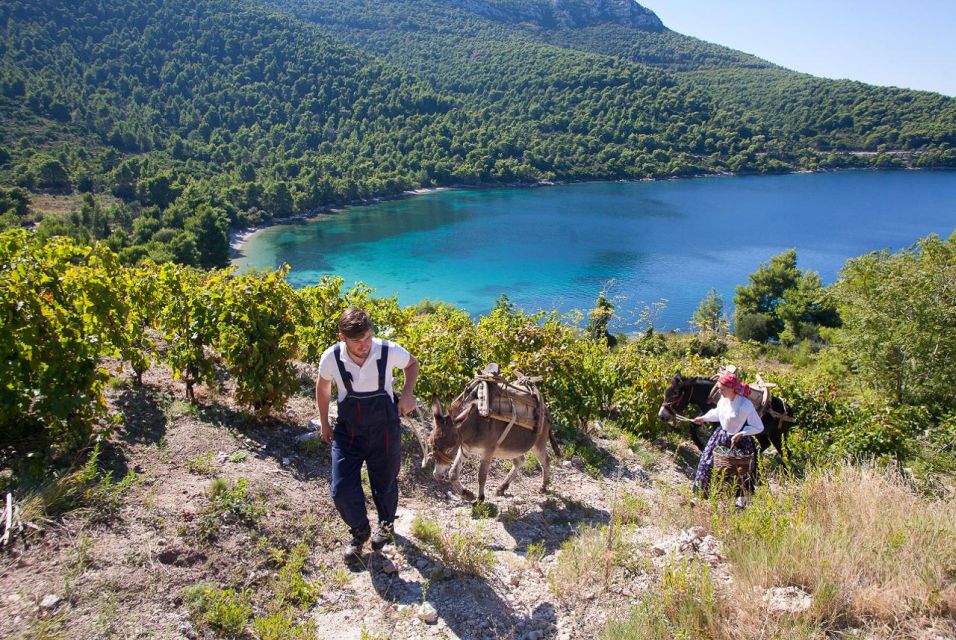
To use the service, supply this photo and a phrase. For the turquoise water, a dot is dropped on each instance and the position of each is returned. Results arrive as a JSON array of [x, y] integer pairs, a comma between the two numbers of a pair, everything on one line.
[[556, 247]]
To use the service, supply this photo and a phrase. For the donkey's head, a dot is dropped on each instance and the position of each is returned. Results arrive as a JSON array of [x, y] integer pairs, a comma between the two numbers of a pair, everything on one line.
[[676, 397], [443, 441]]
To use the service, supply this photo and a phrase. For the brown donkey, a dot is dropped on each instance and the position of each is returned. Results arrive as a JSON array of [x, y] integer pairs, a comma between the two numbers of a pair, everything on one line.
[[468, 433]]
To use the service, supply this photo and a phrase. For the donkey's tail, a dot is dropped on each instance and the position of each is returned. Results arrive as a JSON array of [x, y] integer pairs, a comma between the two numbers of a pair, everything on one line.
[[554, 444]]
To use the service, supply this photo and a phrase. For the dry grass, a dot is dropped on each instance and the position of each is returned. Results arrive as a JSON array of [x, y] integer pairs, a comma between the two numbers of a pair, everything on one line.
[[464, 551], [873, 555], [685, 604], [857, 538], [46, 204], [587, 561]]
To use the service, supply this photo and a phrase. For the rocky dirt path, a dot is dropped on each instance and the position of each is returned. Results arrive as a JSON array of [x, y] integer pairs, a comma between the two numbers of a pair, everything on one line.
[[125, 576]]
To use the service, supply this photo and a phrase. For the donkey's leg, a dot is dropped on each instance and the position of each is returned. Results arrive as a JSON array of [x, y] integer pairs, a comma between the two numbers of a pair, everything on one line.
[[516, 465], [541, 451], [764, 440], [483, 476], [453, 477], [777, 437]]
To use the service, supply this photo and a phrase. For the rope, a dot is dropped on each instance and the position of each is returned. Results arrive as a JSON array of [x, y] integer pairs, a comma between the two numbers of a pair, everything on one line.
[[682, 418]]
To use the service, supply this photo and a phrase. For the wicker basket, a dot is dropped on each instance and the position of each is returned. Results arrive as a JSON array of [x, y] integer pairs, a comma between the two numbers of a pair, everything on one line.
[[735, 464]]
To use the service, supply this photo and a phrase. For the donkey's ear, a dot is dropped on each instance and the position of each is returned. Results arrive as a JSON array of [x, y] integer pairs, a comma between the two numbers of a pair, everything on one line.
[[677, 376], [436, 407]]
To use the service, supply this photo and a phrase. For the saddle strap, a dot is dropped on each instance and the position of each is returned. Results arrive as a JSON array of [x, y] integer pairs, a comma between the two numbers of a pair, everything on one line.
[[511, 423]]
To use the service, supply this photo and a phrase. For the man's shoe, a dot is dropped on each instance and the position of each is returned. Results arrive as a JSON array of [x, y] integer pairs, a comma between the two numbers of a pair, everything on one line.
[[383, 535], [353, 550]]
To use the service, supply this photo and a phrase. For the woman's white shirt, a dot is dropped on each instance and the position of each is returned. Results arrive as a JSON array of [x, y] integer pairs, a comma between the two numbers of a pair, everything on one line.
[[735, 416]]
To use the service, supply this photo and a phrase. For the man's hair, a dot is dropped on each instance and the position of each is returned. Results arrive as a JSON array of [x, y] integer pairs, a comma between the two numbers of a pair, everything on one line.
[[354, 323]]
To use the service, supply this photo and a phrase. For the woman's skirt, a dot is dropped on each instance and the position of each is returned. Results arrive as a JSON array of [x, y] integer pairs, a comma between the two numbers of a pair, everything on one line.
[[705, 469]]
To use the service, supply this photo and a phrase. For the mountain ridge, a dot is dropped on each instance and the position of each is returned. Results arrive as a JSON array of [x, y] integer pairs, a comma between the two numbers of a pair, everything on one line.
[[565, 13]]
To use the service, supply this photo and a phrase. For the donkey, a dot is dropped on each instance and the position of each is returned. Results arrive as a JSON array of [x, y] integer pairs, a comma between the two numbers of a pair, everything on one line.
[[684, 391], [466, 432]]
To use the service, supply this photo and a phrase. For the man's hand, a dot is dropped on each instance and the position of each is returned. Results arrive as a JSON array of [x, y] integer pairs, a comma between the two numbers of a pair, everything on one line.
[[699, 420], [737, 437], [406, 404], [323, 394]]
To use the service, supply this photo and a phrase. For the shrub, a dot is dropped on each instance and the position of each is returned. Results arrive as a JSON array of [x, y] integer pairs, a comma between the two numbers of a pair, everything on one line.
[[201, 465], [446, 346], [707, 345], [223, 610], [59, 311], [257, 316], [229, 503], [290, 586], [752, 326], [187, 320], [629, 508], [283, 626], [898, 312], [534, 552]]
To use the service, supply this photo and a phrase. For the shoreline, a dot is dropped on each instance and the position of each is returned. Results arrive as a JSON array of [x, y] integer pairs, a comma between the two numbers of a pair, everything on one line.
[[238, 238]]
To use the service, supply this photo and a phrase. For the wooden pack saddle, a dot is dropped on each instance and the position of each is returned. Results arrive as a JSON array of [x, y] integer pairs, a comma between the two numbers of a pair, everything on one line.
[[516, 402]]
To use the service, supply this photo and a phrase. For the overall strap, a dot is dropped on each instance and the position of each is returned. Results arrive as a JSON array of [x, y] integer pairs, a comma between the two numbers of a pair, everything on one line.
[[382, 365], [346, 376]]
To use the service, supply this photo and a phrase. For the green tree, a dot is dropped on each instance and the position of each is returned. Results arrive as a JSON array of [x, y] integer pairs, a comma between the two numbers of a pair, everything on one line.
[[599, 318], [14, 205], [804, 309], [208, 227], [48, 174], [782, 302], [709, 315], [899, 321], [768, 284]]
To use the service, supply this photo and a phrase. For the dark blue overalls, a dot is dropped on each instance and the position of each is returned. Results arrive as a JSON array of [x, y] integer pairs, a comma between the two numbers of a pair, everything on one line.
[[367, 430]]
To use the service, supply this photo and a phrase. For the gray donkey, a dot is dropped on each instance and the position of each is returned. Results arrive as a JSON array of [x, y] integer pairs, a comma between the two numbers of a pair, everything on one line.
[[467, 432]]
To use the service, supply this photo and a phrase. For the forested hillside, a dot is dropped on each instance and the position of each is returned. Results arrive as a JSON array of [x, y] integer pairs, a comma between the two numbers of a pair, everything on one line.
[[158, 124], [800, 118]]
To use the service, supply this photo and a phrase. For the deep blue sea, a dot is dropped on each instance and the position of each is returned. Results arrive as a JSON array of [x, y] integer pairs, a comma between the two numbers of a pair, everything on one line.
[[661, 245]]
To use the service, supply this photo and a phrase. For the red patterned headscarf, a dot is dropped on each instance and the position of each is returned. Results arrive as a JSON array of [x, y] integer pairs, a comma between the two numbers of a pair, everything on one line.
[[731, 380]]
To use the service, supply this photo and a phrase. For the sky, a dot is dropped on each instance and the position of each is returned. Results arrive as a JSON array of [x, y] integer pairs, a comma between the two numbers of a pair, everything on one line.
[[894, 43]]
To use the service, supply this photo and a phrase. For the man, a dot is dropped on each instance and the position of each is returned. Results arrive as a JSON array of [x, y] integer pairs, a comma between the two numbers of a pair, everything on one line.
[[367, 429]]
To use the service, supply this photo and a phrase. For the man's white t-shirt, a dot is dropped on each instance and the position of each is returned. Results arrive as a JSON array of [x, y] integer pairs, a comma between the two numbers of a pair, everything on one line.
[[364, 378]]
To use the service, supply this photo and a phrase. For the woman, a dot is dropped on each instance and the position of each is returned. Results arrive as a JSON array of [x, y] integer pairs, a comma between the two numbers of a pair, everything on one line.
[[738, 423]]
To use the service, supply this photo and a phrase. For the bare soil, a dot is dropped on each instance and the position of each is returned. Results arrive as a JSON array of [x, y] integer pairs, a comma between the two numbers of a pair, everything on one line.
[[125, 578]]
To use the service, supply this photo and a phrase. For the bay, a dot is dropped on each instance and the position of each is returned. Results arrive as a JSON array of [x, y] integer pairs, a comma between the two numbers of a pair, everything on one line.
[[661, 244]]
